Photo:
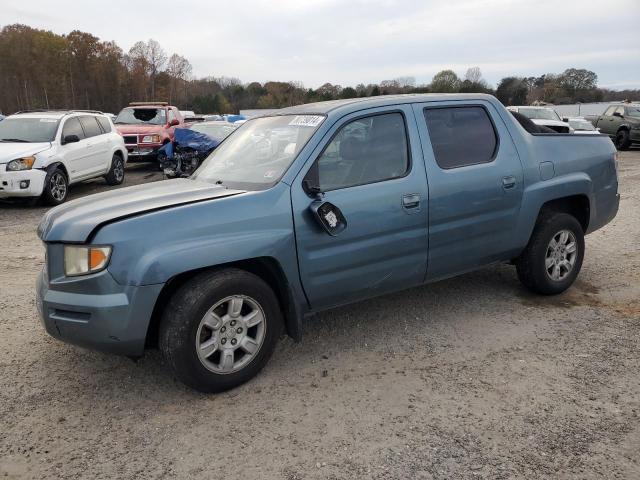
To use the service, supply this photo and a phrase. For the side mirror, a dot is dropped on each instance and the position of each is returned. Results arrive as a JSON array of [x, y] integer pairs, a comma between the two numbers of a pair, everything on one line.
[[329, 217], [70, 139], [174, 122], [617, 114], [565, 119]]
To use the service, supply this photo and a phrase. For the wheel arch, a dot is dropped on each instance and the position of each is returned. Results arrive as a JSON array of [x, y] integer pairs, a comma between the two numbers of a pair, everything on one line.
[[577, 206], [267, 268]]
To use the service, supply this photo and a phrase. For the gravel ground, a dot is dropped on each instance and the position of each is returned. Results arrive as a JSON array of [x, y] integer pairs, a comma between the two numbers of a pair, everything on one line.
[[471, 377]]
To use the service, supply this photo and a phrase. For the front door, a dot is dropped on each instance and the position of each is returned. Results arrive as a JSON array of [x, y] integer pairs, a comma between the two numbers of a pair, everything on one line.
[[475, 185], [77, 155], [371, 175]]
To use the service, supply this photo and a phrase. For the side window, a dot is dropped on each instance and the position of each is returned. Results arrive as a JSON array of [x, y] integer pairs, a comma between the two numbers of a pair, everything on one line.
[[72, 127], [620, 110], [461, 136], [610, 111], [172, 115], [90, 126], [104, 123], [366, 150]]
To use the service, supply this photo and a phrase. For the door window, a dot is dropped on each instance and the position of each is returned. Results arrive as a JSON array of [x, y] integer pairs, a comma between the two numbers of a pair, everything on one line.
[[104, 123], [610, 111], [461, 136], [620, 110], [366, 150], [90, 126], [172, 115], [72, 127]]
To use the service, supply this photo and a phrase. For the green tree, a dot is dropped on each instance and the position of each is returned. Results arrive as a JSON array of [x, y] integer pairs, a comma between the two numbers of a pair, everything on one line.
[[445, 81]]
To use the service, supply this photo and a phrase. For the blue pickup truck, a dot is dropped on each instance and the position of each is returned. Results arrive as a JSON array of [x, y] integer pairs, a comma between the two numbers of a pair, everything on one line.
[[316, 206]]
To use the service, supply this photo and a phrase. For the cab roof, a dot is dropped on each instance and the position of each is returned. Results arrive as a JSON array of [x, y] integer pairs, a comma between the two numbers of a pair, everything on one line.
[[324, 108]]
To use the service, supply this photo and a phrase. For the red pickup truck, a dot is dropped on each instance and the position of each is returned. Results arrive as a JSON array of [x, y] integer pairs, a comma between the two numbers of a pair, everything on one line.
[[147, 126]]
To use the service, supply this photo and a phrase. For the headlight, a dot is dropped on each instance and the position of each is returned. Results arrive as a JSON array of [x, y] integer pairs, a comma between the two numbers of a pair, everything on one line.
[[24, 163], [80, 260], [151, 139]]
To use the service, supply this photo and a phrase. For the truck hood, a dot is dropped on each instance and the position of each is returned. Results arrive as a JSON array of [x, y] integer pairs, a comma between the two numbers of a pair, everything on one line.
[[76, 220], [10, 151], [144, 129]]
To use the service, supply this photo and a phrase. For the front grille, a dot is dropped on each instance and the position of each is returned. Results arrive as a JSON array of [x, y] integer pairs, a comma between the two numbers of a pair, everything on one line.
[[130, 139], [559, 129]]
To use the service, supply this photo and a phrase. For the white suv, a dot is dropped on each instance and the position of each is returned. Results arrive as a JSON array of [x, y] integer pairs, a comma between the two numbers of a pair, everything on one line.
[[43, 152]]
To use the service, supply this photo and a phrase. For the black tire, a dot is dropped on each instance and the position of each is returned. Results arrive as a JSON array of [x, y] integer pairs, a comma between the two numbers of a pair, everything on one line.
[[531, 266], [623, 140], [115, 175], [181, 320], [56, 186]]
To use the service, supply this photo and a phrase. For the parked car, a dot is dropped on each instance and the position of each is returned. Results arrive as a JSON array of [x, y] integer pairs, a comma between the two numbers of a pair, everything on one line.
[[544, 116], [2, 117], [147, 126], [191, 146], [43, 152], [317, 206], [582, 126], [621, 123]]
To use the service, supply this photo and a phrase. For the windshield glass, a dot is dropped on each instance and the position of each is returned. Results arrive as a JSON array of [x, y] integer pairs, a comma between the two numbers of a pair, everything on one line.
[[259, 152], [539, 113], [581, 125], [217, 132], [633, 111], [28, 130], [133, 116]]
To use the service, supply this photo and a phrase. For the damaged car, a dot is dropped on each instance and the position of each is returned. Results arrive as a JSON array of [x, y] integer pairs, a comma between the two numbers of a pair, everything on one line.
[[191, 146]]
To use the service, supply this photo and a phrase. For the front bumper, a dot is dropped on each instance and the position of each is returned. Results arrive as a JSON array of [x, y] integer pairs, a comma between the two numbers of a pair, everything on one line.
[[96, 312], [142, 153], [24, 183]]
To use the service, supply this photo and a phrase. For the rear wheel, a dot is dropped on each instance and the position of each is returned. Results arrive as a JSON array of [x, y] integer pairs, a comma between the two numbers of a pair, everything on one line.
[[219, 329], [552, 260], [56, 186], [622, 140], [115, 176]]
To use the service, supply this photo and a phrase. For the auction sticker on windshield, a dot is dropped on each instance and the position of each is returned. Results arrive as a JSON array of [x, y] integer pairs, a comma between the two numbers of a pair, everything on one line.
[[306, 120]]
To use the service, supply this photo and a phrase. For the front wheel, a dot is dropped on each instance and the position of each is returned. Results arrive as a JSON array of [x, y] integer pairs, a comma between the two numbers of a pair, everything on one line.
[[219, 329], [623, 140], [56, 186], [552, 260]]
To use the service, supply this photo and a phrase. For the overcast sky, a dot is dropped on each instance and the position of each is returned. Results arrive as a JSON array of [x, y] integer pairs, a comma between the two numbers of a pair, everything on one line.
[[355, 41]]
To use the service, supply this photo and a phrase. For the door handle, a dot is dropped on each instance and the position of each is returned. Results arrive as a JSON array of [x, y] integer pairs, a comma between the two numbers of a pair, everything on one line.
[[508, 182], [411, 200]]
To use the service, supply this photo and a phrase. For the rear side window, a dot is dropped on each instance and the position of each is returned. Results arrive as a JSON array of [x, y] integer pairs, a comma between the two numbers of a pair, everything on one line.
[[461, 136], [104, 123], [90, 126], [366, 150], [72, 127]]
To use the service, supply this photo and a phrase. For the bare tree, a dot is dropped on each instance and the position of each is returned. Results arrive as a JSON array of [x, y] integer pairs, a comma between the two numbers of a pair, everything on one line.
[[474, 75], [156, 57]]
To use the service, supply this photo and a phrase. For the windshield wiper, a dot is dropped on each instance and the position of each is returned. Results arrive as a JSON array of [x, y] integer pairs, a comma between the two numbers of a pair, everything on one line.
[[19, 140]]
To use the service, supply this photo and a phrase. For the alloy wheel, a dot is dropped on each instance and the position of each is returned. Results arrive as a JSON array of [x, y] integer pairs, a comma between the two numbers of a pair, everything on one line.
[[230, 334], [561, 255]]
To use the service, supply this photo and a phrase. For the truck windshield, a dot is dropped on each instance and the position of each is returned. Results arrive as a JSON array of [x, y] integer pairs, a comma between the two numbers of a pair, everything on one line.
[[28, 130], [259, 152], [539, 113], [133, 116]]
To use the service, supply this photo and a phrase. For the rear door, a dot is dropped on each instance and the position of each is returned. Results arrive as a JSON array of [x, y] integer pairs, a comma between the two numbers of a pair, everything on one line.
[[370, 169], [475, 185], [99, 158]]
